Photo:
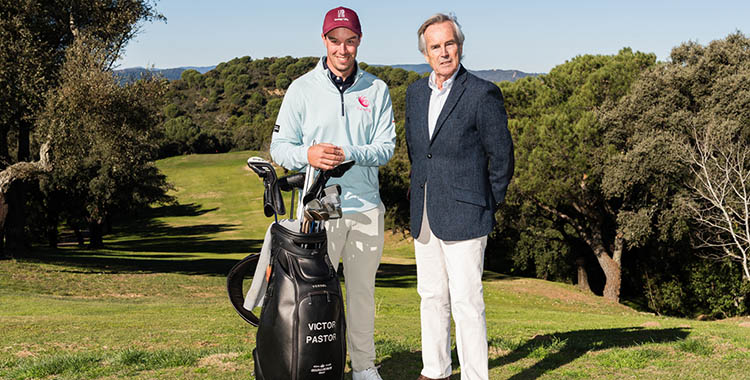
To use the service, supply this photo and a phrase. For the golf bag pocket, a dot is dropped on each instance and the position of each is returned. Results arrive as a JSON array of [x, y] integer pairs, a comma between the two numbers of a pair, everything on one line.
[[320, 331]]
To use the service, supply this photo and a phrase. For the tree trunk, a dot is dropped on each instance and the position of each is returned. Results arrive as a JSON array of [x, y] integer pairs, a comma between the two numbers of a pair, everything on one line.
[[52, 236], [10, 179], [3, 218], [15, 221], [612, 273], [4, 154], [79, 236], [583, 277], [610, 267], [23, 140], [95, 235]]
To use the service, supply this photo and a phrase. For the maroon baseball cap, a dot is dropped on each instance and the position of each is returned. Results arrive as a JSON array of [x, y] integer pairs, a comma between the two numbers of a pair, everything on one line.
[[341, 17]]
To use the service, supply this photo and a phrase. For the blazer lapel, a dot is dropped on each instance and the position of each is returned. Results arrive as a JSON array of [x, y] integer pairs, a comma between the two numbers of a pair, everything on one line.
[[456, 91]]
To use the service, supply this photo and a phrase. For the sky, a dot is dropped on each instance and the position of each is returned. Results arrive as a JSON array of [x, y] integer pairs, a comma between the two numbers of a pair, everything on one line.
[[528, 35]]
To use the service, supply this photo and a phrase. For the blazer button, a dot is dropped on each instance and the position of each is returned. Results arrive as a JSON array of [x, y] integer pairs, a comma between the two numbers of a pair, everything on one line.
[[421, 185], [429, 155]]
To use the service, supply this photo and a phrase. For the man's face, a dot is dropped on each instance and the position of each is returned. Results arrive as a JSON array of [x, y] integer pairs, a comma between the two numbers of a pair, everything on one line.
[[442, 50], [341, 47]]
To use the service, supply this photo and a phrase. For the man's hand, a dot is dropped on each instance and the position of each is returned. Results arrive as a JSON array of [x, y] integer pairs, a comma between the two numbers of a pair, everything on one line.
[[325, 156]]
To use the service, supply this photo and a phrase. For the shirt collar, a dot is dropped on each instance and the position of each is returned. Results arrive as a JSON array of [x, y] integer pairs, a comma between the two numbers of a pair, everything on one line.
[[337, 79], [446, 85]]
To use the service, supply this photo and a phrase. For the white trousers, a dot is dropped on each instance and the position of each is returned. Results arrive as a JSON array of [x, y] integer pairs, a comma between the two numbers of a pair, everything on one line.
[[357, 239], [449, 279]]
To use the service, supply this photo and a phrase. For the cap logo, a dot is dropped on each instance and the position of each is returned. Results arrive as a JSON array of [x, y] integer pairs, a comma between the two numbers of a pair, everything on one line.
[[342, 13]]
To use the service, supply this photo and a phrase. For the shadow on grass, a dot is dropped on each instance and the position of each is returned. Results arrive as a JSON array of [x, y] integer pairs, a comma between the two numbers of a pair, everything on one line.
[[396, 276], [107, 262], [178, 249], [554, 350], [402, 365], [405, 276], [565, 347]]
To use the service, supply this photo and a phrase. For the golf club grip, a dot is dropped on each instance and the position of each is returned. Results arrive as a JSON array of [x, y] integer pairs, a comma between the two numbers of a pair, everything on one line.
[[342, 168], [317, 187], [234, 287], [292, 181]]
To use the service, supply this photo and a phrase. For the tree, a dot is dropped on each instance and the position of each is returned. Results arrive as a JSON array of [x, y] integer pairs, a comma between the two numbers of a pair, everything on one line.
[[687, 123], [35, 36], [101, 134], [561, 152], [721, 170]]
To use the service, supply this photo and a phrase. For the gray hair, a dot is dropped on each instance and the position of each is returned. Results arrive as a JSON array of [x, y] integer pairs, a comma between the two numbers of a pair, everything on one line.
[[436, 19]]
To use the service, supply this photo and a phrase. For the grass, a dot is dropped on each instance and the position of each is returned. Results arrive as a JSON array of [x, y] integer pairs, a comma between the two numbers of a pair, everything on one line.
[[153, 305]]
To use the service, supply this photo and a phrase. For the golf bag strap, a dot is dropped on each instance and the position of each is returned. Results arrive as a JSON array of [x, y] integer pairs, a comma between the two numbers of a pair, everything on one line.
[[235, 278], [234, 288]]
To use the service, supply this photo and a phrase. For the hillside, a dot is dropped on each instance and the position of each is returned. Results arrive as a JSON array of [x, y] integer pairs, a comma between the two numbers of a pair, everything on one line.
[[493, 75], [153, 305], [132, 74], [233, 106]]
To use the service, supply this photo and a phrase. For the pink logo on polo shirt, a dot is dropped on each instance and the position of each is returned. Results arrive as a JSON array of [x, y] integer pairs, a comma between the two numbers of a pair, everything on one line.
[[363, 101]]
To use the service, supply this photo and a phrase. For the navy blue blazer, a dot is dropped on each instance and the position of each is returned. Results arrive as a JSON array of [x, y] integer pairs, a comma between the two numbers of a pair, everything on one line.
[[465, 165]]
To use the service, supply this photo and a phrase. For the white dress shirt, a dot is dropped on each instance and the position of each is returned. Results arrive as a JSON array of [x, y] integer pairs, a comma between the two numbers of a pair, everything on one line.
[[437, 100]]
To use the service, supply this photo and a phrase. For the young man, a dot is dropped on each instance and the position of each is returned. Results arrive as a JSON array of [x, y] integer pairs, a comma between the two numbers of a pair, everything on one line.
[[462, 161], [333, 113]]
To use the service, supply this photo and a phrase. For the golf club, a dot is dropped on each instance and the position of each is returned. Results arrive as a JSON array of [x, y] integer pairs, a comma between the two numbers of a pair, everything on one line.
[[273, 204], [316, 189]]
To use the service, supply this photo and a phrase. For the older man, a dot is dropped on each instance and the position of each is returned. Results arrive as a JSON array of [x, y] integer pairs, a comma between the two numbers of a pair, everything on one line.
[[348, 113], [462, 161]]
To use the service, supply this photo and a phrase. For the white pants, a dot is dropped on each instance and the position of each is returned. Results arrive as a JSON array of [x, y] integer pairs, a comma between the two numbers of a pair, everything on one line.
[[449, 279], [357, 238]]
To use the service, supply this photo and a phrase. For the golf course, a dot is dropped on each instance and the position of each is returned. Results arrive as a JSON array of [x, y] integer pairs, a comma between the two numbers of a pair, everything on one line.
[[153, 304]]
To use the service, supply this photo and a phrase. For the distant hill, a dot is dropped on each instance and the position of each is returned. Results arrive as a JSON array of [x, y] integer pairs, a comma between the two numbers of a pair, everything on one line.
[[134, 73], [490, 75]]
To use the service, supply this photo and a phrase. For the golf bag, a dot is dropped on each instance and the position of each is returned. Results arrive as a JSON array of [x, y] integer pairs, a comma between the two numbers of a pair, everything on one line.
[[301, 330]]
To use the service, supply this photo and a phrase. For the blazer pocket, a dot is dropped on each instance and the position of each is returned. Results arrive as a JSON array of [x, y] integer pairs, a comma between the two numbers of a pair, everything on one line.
[[469, 196]]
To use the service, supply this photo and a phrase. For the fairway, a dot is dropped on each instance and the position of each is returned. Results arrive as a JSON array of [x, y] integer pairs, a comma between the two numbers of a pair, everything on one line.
[[153, 305]]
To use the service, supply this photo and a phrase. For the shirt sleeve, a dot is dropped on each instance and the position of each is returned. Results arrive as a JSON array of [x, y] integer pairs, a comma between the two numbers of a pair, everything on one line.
[[492, 123], [380, 150], [287, 146]]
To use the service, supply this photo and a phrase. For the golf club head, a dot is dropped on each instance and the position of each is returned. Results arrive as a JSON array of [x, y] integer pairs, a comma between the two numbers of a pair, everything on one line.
[[317, 187], [332, 205], [273, 204], [315, 210], [261, 167], [333, 189]]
